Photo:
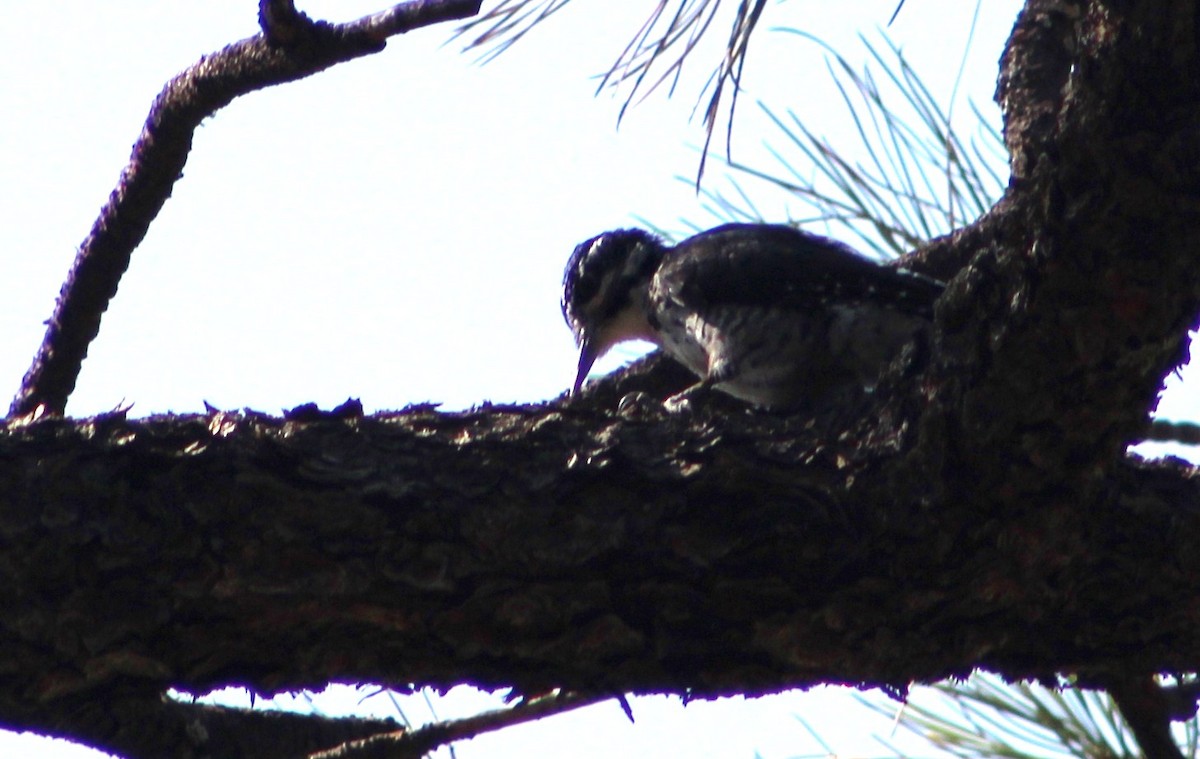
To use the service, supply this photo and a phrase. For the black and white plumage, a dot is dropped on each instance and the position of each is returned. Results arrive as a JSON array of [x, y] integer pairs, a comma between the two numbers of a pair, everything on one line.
[[766, 313]]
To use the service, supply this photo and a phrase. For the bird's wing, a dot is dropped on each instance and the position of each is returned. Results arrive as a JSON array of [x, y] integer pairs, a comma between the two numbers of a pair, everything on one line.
[[766, 265]]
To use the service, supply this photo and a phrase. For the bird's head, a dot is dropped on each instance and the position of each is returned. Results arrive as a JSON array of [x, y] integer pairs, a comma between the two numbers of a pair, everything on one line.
[[604, 292]]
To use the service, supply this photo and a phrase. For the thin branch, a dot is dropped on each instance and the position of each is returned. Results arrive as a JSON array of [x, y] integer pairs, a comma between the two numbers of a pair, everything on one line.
[[1165, 430], [294, 47], [413, 744], [137, 725]]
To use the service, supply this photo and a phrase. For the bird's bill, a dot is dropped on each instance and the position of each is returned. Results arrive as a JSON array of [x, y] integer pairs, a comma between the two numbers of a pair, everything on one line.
[[587, 356]]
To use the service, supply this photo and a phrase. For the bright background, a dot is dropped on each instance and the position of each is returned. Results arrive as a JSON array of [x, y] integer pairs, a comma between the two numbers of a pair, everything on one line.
[[394, 229]]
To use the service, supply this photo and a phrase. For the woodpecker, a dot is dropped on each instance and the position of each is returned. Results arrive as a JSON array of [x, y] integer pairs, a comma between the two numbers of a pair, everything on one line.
[[767, 313]]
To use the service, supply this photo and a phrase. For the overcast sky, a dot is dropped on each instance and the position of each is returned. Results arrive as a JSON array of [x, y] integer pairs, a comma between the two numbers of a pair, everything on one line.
[[394, 230]]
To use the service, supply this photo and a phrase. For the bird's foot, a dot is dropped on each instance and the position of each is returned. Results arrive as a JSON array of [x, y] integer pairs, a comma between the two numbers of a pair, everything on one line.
[[685, 401], [680, 403]]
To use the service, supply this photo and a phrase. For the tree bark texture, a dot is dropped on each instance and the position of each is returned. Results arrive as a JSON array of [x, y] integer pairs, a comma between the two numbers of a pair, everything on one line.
[[544, 548], [978, 511]]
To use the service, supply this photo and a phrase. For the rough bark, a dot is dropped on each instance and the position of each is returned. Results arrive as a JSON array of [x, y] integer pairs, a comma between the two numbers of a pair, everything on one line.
[[569, 547], [977, 512]]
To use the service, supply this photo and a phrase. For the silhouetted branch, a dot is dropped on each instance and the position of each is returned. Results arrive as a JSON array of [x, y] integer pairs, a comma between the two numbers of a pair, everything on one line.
[[1164, 430], [417, 743], [139, 723], [294, 48]]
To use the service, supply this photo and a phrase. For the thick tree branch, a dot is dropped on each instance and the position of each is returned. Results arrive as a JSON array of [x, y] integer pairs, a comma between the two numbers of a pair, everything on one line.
[[1099, 99], [161, 151], [280, 555]]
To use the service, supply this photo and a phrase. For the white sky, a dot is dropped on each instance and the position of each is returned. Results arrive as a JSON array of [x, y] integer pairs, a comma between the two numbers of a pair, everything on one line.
[[394, 229]]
